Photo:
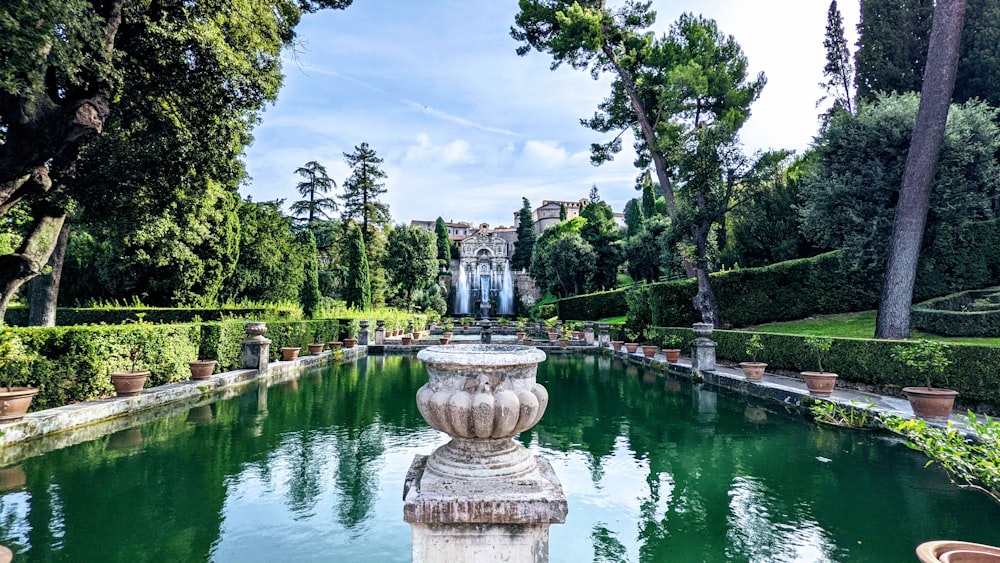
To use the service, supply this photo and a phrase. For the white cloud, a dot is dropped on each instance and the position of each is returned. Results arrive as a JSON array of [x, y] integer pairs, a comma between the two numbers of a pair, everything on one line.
[[425, 151]]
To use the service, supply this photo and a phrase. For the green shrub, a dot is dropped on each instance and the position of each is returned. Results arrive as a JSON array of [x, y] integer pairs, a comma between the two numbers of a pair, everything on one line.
[[593, 306], [958, 314], [18, 316]]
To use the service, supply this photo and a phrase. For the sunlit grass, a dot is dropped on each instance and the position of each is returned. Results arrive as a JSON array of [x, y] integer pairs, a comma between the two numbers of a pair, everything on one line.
[[854, 325]]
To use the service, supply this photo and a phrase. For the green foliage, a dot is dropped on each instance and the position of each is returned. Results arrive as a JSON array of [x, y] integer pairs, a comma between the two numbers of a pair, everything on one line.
[[443, 242], [316, 183], [820, 346], [594, 306], [271, 267], [849, 416], [411, 264], [839, 69], [849, 197], [892, 46], [357, 287], [754, 347], [602, 234], [978, 73], [15, 359], [645, 250], [971, 460], [524, 248], [363, 188], [968, 313], [563, 261], [929, 357], [309, 294]]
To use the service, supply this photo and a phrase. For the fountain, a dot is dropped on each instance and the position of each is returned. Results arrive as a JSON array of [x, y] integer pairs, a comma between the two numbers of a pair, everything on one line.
[[482, 496], [506, 292], [462, 293]]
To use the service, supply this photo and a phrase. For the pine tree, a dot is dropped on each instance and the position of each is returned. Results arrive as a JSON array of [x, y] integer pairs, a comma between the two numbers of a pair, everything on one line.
[[362, 190], [316, 182], [892, 46], [357, 289]]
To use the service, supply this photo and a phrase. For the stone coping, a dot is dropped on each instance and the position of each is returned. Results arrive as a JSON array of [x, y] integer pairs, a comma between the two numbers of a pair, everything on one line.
[[42, 431]]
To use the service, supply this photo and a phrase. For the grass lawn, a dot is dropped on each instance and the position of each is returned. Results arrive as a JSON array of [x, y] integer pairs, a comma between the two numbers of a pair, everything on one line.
[[613, 320], [854, 325]]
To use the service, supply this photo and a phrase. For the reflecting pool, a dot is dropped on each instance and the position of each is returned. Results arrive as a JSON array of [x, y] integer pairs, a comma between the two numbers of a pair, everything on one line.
[[654, 469]]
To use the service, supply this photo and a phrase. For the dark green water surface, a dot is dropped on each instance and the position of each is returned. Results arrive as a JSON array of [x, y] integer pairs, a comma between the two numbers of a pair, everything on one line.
[[654, 470]]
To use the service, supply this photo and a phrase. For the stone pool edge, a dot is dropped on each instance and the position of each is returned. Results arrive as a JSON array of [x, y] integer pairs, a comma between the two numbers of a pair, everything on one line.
[[16, 437]]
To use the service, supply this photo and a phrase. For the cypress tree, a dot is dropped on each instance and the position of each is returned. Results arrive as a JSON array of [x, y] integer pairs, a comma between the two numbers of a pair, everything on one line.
[[443, 242], [357, 290], [525, 245]]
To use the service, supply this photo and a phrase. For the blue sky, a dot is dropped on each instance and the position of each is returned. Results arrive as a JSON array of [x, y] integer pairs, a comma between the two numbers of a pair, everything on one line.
[[467, 128]]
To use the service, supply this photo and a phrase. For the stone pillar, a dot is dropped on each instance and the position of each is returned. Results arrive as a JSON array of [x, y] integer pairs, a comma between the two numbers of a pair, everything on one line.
[[604, 336], [703, 348], [363, 333], [483, 496], [486, 332], [588, 333], [379, 333], [256, 348]]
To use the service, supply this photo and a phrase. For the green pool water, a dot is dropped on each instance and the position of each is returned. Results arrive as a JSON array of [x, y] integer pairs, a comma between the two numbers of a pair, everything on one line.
[[654, 470]]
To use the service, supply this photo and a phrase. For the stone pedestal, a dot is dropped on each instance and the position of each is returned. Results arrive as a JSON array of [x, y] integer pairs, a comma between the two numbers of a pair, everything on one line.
[[604, 335], [485, 332], [363, 333], [379, 333], [703, 348], [256, 348], [483, 496], [588, 333]]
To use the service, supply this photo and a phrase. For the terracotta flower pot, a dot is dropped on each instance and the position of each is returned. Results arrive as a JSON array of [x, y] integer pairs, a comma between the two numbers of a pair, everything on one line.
[[448, 334], [553, 336], [129, 383], [617, 344], [407, 340], [672, 354], [931, 403], [649, 351], [14, 403], [316, 348], [202, 369], [444, 340], [631, 347], [290, 353], [578, 334], [564, 342], [335, 344], [528, 342], [520, 336], [350, 342], [820, 383], [754, 371]]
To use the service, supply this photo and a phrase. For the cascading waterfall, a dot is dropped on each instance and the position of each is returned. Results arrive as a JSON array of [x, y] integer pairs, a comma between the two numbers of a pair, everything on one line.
[[462, 294], [506, 292]]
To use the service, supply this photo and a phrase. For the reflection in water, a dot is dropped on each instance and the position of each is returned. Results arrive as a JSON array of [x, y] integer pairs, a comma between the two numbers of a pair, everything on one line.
[[653, 472]]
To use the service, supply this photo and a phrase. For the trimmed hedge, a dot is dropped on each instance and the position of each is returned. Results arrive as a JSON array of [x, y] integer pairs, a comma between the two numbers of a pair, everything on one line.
[[961, 258], [969, 313], [65, 316], [974, 371]]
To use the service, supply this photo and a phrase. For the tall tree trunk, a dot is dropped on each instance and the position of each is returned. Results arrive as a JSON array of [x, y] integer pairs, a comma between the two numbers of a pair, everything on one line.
[[893, 320], [704, 301], [26, 263], [45, 288]]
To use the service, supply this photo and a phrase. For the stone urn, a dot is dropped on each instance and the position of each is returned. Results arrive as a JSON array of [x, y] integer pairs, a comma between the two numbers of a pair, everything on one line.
[[482, 396], [483, 496], [945, 551]]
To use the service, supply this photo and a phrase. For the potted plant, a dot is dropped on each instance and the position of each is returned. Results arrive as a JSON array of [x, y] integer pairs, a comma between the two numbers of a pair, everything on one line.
[[649, 350], [447, 329], [670, 348], [130, 383], [14, 401], [407, 338], [202, 369], [289, 353], [930, 358], [753, 370], [820, 383]]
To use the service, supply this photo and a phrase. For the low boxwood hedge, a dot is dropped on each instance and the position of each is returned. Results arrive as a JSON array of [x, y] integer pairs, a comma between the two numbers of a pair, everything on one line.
[[968, 313], [68, 316]]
